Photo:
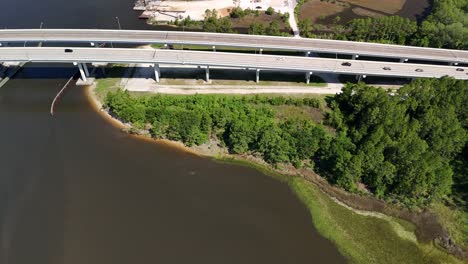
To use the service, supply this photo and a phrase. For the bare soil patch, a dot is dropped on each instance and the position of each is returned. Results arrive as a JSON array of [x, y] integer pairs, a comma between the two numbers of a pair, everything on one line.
[[388, 6], [316, 10], [365, 12]]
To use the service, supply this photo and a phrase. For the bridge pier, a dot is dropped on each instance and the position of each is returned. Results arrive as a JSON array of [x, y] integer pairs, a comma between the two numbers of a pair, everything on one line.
[[157, 72], [355, 56], [307, 75], [84, 73], [359, 77], [453, 63], [207, 73], [403, 60], [214, 48], [307, 54], [260, 51], [257, 75], [85, 68]]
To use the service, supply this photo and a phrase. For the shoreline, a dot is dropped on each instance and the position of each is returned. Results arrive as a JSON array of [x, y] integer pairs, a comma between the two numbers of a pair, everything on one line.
[[428, 229]]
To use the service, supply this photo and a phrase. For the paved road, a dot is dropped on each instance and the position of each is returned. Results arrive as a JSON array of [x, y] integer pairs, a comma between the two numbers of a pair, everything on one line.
[[235, 40], [203, 58]]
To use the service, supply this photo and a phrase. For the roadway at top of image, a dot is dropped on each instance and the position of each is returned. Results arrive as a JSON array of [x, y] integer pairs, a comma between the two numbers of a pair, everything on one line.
[[235, 40]]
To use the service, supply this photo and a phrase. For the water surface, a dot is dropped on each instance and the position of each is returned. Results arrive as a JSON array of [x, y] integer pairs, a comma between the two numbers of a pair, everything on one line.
[[74, 189]]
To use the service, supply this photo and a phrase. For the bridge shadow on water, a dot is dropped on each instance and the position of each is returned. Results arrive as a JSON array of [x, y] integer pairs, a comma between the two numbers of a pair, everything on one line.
[[171, 75], [65, 71]]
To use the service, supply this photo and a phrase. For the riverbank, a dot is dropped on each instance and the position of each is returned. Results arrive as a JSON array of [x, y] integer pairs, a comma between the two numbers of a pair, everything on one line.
[[381, 236]]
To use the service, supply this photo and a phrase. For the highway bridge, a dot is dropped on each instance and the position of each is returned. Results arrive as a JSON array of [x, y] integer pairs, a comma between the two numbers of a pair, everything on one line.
[[355, 49], [257, 62]]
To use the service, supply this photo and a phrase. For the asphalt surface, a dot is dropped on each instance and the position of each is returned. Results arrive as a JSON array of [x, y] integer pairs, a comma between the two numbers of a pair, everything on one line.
[[234, 40], [252, 61]]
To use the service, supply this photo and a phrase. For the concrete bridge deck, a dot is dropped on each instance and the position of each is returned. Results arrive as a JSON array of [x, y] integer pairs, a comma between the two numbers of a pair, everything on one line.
[[308, 65], [235, 40]]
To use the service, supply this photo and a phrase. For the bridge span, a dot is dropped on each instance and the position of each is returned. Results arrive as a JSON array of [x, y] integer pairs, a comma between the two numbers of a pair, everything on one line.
[[307, 65], [355, 49]]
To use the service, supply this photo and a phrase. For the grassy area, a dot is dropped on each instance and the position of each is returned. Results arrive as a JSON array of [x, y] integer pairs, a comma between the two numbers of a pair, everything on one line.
[[262, 168], [109, 84], [366, 239], [455, 220], [361, 238]]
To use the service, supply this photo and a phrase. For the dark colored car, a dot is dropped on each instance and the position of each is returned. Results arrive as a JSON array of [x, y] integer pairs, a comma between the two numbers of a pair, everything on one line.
[[419, 70], [387, 68], [68, 50], [346, 64], [460, 69]]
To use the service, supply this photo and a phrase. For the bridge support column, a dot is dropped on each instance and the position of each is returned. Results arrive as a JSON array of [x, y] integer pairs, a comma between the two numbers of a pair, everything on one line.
[[360, 77], [214, 48], [307, 54], [85, 68], [157, 72], [207, 73], [307, 75], [257, 75], [403, 60], [453, 63], [260, 51], [82, 71], [355, 56]]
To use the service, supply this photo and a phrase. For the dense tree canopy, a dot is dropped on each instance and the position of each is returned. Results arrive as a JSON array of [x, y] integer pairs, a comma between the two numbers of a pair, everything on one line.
[[401, 146], [446, 26], [387, 29]]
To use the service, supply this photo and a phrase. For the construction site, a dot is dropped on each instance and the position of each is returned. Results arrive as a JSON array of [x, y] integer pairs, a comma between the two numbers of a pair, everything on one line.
[[171, 10]]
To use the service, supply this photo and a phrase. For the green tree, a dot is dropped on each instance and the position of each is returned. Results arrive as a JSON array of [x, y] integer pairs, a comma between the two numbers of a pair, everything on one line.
[[305, 27], [257, 28], [270, 11]]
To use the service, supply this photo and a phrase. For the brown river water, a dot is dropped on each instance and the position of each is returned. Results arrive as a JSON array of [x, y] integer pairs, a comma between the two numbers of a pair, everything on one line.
[[74, 189]]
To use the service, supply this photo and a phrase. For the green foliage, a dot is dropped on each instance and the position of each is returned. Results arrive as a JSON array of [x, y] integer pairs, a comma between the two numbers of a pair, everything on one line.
[[387, 29], [305, 28], [285, 17], [237, 12], [212, 23], [446, 26], [243, 124], [274, 29], [257, 28], [270, 11], [399, 146]]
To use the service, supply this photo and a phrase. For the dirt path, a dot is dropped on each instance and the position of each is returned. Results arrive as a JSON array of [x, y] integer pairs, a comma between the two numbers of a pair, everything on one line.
[[229, 89], [292, 18]]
